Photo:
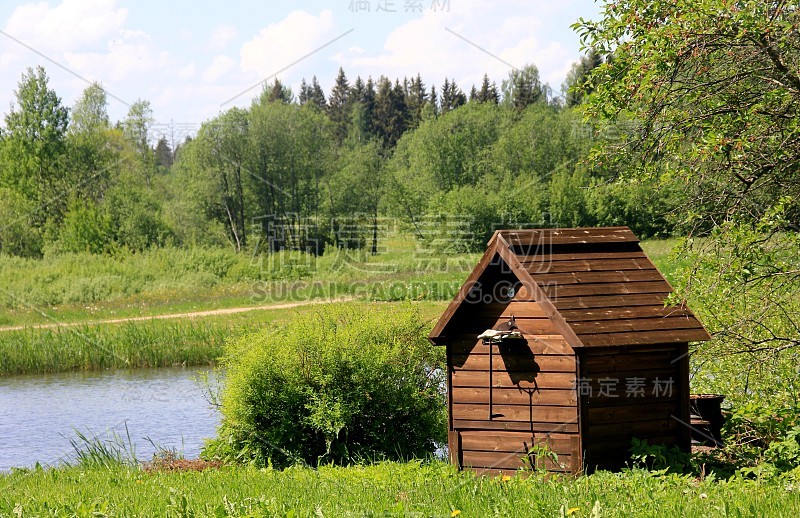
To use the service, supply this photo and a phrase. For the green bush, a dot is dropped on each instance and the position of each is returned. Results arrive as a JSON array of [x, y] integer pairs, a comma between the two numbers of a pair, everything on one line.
[[85, 229], [18, 236], [646, 206], [345, 384]]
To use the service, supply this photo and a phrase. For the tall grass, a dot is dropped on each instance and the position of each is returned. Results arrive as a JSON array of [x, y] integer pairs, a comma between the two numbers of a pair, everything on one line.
[[169, 273], [91, 451], [86, 278], [131, 345], [387, 489]]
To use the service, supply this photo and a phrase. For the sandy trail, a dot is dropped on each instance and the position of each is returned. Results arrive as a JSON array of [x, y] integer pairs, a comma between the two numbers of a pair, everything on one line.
[[168, 316]]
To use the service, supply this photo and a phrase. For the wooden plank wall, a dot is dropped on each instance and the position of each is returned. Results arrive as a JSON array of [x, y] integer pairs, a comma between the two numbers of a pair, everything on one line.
[[533, 393], [629, 392]]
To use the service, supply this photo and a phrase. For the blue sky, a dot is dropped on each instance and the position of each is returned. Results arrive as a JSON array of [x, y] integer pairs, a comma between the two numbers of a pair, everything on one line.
[[192, 61]]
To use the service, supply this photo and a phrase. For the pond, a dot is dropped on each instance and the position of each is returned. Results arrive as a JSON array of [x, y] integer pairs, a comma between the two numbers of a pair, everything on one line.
[[39, 414]]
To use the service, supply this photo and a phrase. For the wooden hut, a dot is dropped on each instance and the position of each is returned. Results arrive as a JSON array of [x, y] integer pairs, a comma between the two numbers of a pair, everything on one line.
[[579, 353]]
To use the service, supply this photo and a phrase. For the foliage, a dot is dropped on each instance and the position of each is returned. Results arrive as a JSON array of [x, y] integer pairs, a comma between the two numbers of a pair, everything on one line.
[[523, 87], [136, 129], [90, 146], [341, 385], [18, 235], [286, 174], [658, 457], [136, 218], [744, 283], [579, 84], [32, 150], [760, 439], [711, 96], [706, 100], [646, 205], [84, 229], [539, 457]]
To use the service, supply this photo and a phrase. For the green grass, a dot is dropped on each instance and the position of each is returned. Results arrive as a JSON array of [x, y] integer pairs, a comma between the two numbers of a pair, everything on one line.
[[82, 288], [150, 344], [661, 252], [85, 287], [386, 489], [153, 343]]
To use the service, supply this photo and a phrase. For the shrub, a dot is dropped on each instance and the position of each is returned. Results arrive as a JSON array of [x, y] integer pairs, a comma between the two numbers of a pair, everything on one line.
[[643, 205], [345, 384], [85, 229], [18, 235], [762, 439]]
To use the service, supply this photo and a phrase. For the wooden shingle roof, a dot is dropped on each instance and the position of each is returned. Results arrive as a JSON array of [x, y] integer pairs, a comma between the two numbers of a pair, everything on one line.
[[595, 284]]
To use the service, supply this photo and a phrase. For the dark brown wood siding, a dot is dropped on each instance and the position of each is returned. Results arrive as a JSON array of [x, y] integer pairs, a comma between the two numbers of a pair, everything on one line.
[[628, 392], [532, 393]]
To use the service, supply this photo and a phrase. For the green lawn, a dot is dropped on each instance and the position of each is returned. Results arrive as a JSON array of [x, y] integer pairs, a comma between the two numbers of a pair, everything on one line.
[[387, 489]]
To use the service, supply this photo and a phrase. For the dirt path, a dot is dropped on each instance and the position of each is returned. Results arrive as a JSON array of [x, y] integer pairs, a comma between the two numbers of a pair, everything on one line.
[[190, 314]]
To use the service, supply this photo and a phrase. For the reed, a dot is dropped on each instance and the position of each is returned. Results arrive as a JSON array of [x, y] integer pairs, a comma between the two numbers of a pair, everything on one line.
[[92, 451], [113, 346]]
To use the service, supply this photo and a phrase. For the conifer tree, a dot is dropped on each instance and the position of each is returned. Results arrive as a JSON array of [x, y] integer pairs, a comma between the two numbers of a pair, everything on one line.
[[339, 106]]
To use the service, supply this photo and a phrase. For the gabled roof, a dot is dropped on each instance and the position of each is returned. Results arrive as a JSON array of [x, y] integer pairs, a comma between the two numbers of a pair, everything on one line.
[[596, 285]]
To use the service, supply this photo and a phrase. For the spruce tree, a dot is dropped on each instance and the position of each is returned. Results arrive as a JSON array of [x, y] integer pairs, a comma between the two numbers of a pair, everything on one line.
[[305, 92], [339, 106], [416, 97], [488, 92], [316, 95]]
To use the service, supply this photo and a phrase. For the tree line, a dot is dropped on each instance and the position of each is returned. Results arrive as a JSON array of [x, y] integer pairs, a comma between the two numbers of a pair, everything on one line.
[[310, 170]]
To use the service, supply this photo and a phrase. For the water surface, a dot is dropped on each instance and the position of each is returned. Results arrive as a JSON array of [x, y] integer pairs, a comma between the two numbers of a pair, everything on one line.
[[39, 413]]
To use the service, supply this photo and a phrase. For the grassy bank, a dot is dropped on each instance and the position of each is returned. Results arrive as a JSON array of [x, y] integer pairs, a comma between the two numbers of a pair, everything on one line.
[[86, 287], [388, 489], [152, 343]]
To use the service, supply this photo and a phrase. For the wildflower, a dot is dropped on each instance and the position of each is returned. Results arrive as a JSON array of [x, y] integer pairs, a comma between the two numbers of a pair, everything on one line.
[[572, 510], [505, 478], [703, 495], [455, 513]]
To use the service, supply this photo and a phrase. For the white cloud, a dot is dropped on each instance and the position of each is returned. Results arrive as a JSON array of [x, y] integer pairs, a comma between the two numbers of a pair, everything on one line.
[[92, 39], [473, 38], [68, 26], [187, 72], [131, 53], [279, 44], [218, 68], [221, 36]]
